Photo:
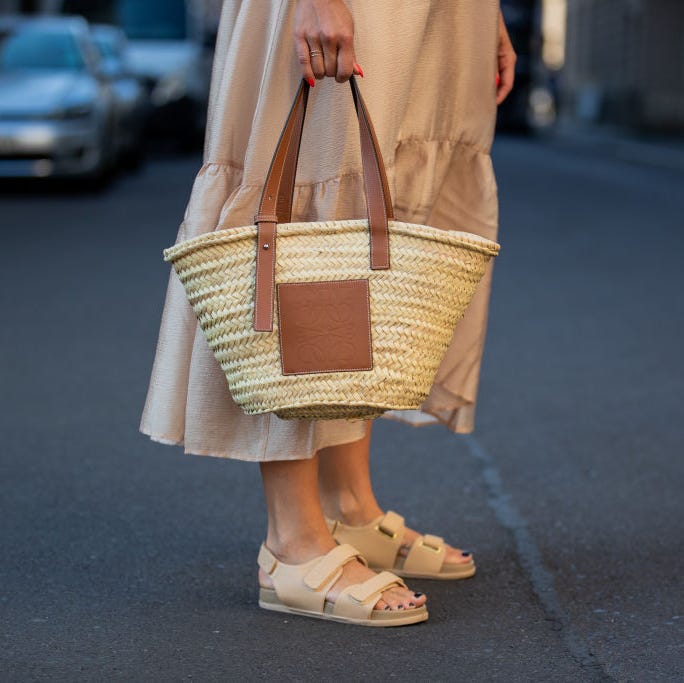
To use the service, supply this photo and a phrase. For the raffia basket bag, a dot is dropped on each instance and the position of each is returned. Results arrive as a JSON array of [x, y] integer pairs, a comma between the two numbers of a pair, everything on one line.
[[331, 328]]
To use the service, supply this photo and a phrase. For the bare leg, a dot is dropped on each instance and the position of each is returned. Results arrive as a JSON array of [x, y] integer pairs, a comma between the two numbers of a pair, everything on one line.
[[296, 528], [297, 531], [346, 492], [344, 482]]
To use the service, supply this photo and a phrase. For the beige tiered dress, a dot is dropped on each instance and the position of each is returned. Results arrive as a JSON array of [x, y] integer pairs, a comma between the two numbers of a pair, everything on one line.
[[429, 86]]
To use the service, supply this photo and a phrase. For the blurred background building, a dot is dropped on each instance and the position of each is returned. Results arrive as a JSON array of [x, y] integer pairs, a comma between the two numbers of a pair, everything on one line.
[[624, 63], [533, 104], [603, 62]]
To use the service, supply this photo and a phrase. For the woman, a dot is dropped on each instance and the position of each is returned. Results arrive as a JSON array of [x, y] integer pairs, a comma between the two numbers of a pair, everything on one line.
[[432, 79]]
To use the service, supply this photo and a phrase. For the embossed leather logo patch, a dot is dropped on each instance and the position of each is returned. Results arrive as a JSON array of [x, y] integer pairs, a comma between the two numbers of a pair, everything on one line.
[[324, 326]]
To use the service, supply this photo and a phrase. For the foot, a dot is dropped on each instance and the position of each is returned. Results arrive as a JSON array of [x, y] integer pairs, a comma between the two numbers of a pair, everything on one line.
[[353, 572], [452, 555], [361, 517]]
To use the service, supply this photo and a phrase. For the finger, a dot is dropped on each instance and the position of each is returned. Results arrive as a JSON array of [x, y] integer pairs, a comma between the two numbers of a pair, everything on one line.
[[317, 59], [345, 60], [302, 50], [329, 43]]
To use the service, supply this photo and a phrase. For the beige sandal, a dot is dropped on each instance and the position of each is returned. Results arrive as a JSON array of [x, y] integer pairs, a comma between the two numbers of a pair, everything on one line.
[[380, 541], [301, 589]]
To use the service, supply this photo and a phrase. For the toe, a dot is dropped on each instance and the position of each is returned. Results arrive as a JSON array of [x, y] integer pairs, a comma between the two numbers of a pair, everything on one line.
[[458, 556], [395, 603], [409, 602], [418, 598], [401, 599], [382, 605], [412, 599]]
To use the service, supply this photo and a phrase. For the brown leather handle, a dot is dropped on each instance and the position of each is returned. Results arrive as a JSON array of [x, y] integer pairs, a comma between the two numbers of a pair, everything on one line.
[[280, 179], [285, 164], [276, 199]]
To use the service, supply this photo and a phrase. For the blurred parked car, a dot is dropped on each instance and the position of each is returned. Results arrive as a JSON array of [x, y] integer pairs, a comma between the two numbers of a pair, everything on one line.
[[57, 112], [169, 50], [130, 96]]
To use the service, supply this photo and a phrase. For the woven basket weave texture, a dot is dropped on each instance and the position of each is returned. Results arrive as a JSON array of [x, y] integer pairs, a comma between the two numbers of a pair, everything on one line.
[[414, 307]]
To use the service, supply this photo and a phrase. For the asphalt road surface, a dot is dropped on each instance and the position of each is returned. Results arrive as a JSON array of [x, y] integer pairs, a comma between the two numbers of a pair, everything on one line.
[[124, 559]]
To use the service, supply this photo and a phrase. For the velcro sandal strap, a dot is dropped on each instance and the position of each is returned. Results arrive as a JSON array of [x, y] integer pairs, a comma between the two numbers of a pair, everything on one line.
[[358, 601], [391, 525], [426, 555], [329, 567], [433, 542], [363, 592], [378, 541], [266, 559]]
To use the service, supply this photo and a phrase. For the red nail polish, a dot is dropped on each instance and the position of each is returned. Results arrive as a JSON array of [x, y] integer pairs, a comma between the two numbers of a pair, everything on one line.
[[311, 82], [358, 66], [498, 80]]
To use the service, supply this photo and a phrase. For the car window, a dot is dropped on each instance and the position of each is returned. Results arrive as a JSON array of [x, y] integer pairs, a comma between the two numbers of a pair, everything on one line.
[[107, 45], [40, 50]]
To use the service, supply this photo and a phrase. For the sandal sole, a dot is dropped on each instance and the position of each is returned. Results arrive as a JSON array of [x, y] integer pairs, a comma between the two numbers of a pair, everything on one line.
[[269, 600]]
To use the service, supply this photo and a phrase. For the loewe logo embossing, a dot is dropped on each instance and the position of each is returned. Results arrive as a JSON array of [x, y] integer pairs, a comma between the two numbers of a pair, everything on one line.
[[324, 326], [323, 330]]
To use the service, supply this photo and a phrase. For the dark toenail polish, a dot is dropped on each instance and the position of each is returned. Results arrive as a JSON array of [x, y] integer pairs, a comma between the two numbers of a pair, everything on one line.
[[412, 604], [400, 607], [387, 607], [466, 554], [417, 595]]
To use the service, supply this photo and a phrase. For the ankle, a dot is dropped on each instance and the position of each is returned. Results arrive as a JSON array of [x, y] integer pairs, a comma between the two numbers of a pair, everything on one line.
[[350, 508], [301, 547]]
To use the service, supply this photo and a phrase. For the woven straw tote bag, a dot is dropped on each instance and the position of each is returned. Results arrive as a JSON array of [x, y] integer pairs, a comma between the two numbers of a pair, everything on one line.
[[331, 328]]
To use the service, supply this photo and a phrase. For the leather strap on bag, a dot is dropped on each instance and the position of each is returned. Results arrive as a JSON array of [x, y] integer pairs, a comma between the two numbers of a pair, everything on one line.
[[276, 199]]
